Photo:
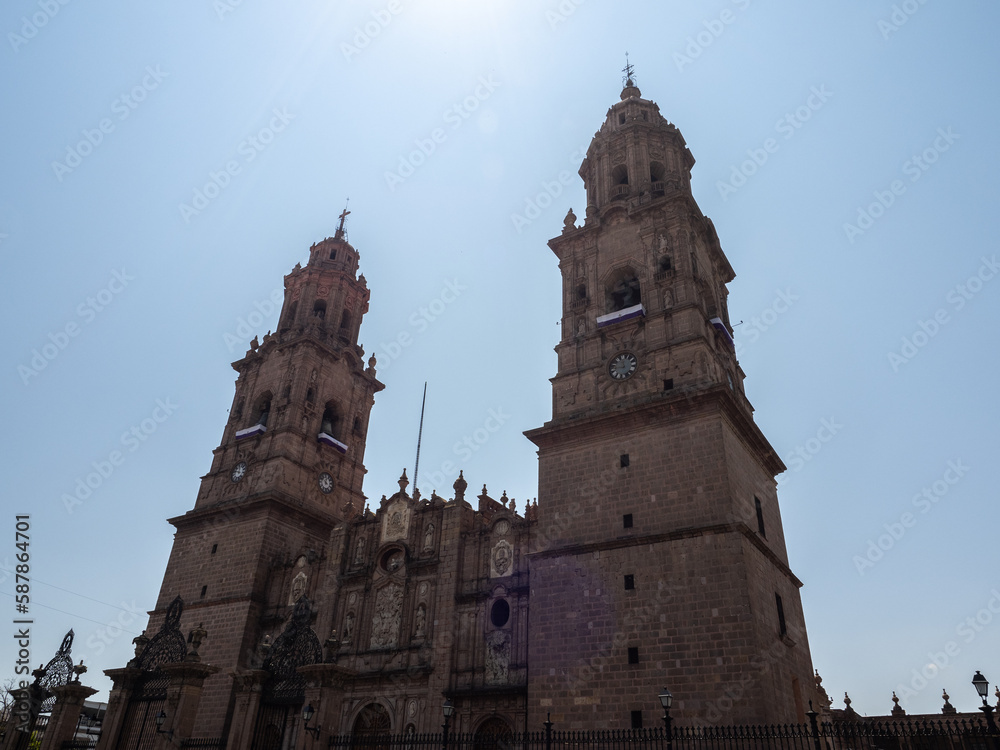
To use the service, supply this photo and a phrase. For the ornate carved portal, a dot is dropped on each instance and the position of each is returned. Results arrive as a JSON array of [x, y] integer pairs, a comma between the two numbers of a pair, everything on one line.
[[372, 721]]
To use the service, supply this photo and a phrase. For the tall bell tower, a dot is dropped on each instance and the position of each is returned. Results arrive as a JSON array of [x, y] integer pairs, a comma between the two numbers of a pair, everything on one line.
[[288, 472], [659, 558]]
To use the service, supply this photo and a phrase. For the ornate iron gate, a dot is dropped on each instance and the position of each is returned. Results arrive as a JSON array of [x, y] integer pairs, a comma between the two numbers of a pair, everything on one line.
[[138, 730]]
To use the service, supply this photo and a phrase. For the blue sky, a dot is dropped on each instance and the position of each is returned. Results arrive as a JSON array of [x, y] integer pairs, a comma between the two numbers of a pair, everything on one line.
[[869, 349]]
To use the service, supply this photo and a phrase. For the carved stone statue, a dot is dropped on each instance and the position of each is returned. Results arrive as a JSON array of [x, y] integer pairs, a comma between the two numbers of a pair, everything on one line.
[[348, 628], [359, 551], [420, 622]]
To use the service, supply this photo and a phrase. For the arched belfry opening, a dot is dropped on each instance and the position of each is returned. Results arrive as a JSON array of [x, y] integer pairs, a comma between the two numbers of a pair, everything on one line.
[[623, 290], [330, 423]]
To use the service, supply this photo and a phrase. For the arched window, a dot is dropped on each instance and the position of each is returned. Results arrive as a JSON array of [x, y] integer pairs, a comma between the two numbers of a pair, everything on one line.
[[372, 721], [319, 309], [619, 175], [263, 410], [581, 291], [357, 426], [623, 290], [330, 421], [345, 321], [292, 309]]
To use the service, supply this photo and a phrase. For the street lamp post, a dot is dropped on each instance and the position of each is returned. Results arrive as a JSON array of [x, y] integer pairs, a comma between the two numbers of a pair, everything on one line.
[[666, 700], [982, 686], [448, 710]]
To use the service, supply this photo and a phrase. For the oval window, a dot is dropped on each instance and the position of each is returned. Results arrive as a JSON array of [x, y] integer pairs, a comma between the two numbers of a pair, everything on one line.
[[499, 613]]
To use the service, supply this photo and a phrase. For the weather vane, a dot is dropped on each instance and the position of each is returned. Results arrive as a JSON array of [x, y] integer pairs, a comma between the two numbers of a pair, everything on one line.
[[343, 217], [628, 70]]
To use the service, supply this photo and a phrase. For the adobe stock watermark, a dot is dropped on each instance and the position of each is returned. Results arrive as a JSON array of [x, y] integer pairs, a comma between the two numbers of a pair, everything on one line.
[[714, 28], [86, 311], [420, 320], [787, 127], [958, 297], [106, 635], [923, 501], [31, 25], [899, 17], [455, 116], [766, 318], [223, 8], [122, 107], [363, 35], [249, 325], [562, 12], [249, 148], [915, 167], [550, 190], [937, 661], [103, 469], [797, 459]]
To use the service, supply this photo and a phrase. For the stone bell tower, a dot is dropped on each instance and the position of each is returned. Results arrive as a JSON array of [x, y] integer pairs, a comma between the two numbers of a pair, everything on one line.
[[660, 559], [288, 471]]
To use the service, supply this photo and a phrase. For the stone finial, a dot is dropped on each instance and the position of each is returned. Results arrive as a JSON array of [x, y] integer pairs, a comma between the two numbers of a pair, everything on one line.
[[569, 223], [460, 486], [503, 499], [140, 642], [195, 637], [79, 670], [823, 696], [416, 493], [363, 281], [947, 708], [897, 710], [848, 711], [371, 365], [513, 505], [254, 344], [403, 482], [330, 646]]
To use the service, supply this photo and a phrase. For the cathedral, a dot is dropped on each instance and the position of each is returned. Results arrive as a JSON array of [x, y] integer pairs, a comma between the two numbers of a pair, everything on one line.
[[654, 555]]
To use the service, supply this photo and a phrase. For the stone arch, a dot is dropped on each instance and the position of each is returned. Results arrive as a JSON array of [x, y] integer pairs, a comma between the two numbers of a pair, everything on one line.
[[372, 720], [622, 289], [493, 733], [330, 421], [262, 409]]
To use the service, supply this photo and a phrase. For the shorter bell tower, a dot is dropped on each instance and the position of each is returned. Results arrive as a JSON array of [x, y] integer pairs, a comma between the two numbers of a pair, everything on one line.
[[288, 471]]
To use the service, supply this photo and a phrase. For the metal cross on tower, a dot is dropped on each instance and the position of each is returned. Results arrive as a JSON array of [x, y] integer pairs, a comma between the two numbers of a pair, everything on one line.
[[343, 216], [628, 70]]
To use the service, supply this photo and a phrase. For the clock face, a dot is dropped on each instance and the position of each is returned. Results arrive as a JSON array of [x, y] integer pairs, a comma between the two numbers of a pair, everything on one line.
[[326, 483], [622, 366], [239, 471]]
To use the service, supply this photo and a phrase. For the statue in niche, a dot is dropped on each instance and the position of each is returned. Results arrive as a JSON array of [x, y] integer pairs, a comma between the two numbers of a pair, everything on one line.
[[359, 551], [348, 628], [298, 587], [429, 537], [420, 622]]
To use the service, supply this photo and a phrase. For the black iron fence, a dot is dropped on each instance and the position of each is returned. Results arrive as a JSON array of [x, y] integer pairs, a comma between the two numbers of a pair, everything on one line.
[[956, 734]]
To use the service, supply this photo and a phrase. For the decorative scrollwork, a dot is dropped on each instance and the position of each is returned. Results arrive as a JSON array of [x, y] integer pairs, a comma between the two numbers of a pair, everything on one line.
[[57, 672], [168, 645], [297, 646]]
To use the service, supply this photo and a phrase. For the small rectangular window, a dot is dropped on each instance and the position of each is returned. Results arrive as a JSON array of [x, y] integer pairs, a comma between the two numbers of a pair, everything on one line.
[[627, 521], [637, 719], [333, 255], [215, 548], [782, 629], [633, 654], [629, 581], [204, 590], [621, 119], [760, 516], [668, 384], [623, 461]]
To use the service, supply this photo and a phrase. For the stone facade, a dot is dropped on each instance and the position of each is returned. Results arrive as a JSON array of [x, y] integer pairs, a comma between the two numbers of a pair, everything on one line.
[[654, 555]]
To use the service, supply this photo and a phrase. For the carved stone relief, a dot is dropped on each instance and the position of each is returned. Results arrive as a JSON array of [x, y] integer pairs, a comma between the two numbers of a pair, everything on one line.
[[385, 621], [497, 657], [396, 522], [501, 559], [298, 587]]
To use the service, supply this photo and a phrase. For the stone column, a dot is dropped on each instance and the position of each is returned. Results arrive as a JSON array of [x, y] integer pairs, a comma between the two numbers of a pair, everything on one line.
[[121, 690], [325, 693], [65, 715], [248, 685], [183, 696]]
